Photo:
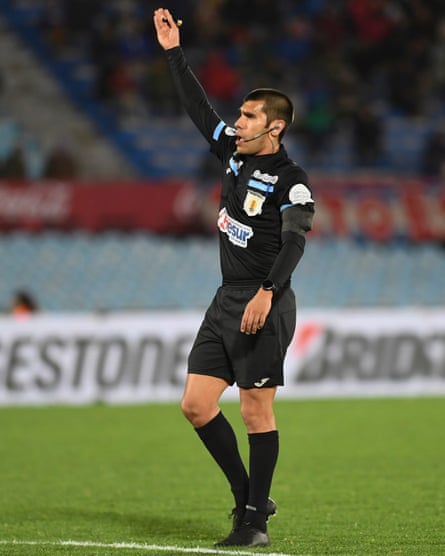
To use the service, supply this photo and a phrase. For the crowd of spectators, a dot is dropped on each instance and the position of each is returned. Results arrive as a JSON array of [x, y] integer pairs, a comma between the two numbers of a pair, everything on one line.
[[344, 62], [59, 163]]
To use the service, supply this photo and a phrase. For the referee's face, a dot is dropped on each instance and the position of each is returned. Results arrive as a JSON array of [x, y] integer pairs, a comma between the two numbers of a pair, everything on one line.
[[252, 134]]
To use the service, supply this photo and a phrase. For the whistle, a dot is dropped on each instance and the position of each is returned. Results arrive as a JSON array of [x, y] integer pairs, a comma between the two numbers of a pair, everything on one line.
[[178, 22]]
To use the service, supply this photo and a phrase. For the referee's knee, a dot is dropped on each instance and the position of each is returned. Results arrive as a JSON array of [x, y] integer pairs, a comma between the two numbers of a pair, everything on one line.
[[197, 413], [193, 412], [189, 410], [258, 417]]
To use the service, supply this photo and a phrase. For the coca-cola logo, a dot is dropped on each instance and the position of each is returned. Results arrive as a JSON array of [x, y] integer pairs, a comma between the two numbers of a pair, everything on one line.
[[39, 202]]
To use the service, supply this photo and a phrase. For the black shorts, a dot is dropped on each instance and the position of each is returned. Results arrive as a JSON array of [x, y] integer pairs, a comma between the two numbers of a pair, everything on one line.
[[252, 361]]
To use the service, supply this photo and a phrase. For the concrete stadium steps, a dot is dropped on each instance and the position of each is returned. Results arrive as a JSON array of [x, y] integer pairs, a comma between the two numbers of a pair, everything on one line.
[[34, 99]]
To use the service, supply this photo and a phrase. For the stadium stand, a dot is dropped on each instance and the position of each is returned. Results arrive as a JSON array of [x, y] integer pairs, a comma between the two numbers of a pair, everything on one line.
[[37, 116], [329, 53], [116, 271], [336, 56], [17, 143]]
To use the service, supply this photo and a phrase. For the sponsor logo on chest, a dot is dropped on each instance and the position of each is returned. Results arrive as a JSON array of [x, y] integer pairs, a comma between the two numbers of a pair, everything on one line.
[[237, 233], [265, 178]]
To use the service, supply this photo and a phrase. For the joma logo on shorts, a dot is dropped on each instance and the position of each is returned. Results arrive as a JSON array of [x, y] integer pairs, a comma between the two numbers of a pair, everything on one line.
[[261, 382], [237, 233]]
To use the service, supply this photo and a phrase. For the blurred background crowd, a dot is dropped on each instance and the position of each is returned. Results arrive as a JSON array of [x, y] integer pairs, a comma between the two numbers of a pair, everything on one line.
[[367, 78], [347, 64]]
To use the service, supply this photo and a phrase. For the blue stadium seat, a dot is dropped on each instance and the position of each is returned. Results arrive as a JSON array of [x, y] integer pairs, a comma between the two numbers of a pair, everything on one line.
[[121, 271]]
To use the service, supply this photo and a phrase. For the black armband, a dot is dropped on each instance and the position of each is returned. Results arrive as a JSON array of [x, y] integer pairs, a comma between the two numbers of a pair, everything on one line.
[[289, 256], [298, 219]]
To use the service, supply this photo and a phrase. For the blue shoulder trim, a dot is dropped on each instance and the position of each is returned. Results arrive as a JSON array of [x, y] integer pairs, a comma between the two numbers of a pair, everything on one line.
[[284, 207], [218, 129]]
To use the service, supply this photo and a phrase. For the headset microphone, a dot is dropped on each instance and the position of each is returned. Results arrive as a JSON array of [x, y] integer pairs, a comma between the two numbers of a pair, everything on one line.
[[261, 134]]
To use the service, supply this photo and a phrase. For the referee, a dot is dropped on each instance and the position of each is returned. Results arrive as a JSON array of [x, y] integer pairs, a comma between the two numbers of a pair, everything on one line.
[[266, 209]]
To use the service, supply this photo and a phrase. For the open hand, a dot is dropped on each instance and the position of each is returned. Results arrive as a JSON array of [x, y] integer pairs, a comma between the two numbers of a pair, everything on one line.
[[166, 29]]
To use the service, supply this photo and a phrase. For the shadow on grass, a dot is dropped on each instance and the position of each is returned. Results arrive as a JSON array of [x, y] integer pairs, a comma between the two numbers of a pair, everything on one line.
[[148, 527]]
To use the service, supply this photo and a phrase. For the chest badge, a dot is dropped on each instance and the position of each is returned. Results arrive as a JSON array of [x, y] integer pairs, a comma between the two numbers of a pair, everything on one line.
[[253, 203]]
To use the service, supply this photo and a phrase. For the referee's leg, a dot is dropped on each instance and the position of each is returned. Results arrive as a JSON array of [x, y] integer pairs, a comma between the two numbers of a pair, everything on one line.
[[201, 397], [259, 419], [257, 409], [200, 407]]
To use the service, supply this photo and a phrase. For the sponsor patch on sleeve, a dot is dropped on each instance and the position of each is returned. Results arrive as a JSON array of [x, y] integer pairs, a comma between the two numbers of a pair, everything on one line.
[[299, 194]]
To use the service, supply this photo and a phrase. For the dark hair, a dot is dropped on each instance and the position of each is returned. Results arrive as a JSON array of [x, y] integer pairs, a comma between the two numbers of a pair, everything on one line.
[[277, 105], [25, 299]]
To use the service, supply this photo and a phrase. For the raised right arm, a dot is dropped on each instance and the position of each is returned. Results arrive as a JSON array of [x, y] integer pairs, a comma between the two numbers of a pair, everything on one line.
[[192, 95]]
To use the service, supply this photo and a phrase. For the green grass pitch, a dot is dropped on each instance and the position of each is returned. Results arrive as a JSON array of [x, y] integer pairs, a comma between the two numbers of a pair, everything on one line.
[[355, 477]]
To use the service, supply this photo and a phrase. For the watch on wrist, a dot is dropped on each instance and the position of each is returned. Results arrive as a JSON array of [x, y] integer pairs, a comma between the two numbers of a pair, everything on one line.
[[269, 286]]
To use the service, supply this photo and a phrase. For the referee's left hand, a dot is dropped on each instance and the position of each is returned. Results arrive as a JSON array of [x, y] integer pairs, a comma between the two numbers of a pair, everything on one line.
[[256, 312]]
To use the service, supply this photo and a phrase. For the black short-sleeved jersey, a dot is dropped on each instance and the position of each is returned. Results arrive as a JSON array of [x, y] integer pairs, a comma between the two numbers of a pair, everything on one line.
[[255, 189]]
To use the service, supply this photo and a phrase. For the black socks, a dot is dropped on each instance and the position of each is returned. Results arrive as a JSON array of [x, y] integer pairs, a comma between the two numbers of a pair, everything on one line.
[[263, 458], [220, 440]]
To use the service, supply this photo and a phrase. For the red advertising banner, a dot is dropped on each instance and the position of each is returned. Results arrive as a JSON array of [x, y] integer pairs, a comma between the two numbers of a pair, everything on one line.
[[377, 208], [163, 207], [380, 208]]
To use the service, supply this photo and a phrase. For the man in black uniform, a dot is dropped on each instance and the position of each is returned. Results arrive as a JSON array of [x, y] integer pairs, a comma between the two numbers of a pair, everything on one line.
[[266, 209]]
